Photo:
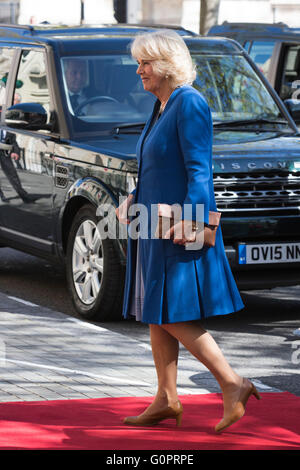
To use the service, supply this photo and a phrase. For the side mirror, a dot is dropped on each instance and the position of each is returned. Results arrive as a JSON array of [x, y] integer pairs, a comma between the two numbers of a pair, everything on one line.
[[31, 116], [293, 107]]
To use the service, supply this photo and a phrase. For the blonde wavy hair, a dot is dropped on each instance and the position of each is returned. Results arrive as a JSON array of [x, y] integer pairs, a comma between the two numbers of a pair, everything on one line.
[[169, 53]]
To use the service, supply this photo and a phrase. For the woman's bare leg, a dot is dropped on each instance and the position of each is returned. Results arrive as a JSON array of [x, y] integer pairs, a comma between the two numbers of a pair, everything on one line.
[[201, 344], [165, 348]]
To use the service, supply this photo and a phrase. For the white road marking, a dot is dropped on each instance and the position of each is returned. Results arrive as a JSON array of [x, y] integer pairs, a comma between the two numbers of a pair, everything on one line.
[[87, 325], [25, 302], [262, 386], [105, 378]]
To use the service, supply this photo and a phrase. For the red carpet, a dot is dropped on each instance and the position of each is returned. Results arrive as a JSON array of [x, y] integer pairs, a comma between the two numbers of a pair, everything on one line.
[[271, 423]]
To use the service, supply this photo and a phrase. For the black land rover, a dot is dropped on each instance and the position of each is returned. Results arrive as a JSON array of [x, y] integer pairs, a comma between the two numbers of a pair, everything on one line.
[[72, 109]]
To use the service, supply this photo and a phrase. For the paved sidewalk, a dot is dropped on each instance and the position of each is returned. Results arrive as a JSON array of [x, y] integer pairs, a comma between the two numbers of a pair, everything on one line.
[[46, 355]]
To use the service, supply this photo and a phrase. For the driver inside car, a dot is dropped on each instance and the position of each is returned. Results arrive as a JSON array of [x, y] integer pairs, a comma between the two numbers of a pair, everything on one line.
[[76, 75]]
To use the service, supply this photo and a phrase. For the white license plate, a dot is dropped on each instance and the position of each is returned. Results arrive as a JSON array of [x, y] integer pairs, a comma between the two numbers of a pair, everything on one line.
[[269, 253]]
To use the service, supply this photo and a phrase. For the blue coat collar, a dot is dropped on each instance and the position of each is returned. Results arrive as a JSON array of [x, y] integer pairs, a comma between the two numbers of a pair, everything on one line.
[[154, 112]]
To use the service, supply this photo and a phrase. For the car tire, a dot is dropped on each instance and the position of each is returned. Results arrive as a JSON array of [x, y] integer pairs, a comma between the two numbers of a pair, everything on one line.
[[95, 275]]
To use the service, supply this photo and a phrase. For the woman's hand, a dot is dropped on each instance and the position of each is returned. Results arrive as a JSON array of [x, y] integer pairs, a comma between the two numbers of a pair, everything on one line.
[[122, 210], [183, 232]]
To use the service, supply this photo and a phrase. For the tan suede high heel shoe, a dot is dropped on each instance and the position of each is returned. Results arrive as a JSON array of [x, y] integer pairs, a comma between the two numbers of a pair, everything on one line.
[[169, 412], [247, 389]]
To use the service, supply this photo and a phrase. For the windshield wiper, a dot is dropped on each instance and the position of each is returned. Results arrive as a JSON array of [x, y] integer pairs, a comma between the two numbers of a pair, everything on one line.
[[131, 128], [242, 122]]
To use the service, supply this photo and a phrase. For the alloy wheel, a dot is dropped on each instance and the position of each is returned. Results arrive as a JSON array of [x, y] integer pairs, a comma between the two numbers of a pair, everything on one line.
[[87, 262]]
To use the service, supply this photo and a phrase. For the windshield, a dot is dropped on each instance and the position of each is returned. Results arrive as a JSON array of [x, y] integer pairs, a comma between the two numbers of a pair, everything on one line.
[[104, 91], [233, 89]]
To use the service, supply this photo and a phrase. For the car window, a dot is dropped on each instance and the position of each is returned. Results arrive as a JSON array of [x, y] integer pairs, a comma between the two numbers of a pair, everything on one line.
[[261, 53], [31, 85], [291, 71], [102, 91], [6, 57], [232, 88]]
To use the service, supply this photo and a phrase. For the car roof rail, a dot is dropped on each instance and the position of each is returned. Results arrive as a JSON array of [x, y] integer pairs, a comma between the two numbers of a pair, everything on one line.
[[157, 26], [12, 30], [15, 30], [270, 27]]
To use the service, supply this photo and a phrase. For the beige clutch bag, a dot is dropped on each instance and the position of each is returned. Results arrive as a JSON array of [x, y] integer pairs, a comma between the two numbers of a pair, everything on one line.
[[166, 220]]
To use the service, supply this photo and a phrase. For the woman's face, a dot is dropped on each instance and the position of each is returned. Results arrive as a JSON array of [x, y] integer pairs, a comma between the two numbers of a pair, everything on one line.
[[151, 81]]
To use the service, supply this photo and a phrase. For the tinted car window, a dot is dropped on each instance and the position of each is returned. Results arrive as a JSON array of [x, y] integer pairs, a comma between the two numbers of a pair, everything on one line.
[[104, 90], [6, 56], [31, 85], [261, 53], [232, 88]]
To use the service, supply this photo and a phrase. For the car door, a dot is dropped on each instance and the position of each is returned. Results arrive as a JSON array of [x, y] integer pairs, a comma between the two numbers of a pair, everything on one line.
[[27, 169]]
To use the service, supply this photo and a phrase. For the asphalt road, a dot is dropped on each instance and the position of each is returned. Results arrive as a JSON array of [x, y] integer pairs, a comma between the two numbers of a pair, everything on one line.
[[259, 341]]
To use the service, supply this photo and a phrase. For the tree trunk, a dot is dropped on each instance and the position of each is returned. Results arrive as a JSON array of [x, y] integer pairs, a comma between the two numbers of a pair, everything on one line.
[[209, 12]]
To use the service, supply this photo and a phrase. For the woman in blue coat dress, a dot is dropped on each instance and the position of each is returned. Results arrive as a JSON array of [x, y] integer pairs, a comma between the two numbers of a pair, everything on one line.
[[167, 285]]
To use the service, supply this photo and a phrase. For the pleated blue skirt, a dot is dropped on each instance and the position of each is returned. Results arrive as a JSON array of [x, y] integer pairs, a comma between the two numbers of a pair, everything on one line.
[[181, 287]]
